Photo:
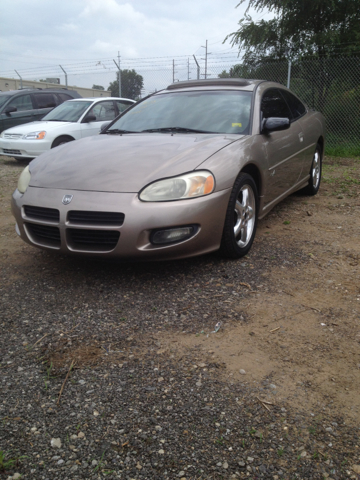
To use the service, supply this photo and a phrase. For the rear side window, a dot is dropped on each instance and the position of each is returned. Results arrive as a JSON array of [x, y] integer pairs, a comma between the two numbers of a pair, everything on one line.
[[122, 105], [21, 103], [296, 106], [274, 105], [45, 100], [64, 97]]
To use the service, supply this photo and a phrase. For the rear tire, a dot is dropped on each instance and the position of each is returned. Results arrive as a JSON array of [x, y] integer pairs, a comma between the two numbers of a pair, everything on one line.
[[60, 141], [315, 173], [241, 218]]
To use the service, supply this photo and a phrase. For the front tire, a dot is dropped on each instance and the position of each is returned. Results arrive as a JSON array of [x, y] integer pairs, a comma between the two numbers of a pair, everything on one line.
[[241, 218], [315, 173]]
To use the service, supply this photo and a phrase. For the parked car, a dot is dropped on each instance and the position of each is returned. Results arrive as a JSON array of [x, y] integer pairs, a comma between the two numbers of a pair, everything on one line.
[[69, 121], [187, 171], [23, 106]]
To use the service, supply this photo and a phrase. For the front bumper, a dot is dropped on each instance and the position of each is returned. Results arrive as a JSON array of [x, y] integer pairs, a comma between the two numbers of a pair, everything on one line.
[[24, 148], [43, 221]]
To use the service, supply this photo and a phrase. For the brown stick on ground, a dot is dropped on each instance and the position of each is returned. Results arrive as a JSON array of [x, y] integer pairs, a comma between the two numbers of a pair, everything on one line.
[[63, 385]]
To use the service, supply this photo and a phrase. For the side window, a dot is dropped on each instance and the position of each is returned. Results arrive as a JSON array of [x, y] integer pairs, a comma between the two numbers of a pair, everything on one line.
[[64, 97], [45, 100], [21, 103], [273, 105], [122, 105], [296, 106], [103, 111]]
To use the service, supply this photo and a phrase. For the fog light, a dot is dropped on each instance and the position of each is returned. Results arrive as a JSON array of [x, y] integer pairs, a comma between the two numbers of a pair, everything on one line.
[[173, 235]]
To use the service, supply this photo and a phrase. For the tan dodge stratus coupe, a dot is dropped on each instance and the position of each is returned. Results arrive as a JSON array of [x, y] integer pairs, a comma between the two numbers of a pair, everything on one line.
[[186, 171]]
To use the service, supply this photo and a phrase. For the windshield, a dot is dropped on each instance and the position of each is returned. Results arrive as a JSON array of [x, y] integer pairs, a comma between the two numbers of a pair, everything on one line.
[[205, 112], [69, 111]]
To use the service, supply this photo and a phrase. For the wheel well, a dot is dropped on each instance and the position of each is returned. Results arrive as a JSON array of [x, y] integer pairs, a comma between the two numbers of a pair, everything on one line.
[[63, 137], [321, 143], [252, 170]]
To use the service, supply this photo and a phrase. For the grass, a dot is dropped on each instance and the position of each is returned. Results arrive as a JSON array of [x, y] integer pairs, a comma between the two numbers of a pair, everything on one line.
[[7, 463]]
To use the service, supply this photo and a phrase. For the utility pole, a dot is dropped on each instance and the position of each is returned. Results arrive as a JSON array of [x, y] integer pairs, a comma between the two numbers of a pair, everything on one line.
[[65, 75], [21, 86], [174, 71], [198, 67], [119, 75], [206, 57], [188, 68]]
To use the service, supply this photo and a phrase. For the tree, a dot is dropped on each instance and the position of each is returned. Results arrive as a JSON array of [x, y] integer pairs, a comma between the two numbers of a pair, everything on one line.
[[97, 87], [131, 85], [299, 27]]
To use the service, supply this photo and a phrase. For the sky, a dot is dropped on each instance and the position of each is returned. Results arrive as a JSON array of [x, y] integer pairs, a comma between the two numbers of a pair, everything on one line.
[[157, 38]]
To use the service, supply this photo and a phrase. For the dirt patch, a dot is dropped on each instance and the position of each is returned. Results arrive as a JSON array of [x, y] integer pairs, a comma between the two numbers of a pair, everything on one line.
[[302, 328]]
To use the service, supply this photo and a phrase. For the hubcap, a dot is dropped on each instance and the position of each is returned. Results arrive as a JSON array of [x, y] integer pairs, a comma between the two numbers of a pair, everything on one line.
[[244, 216], [316, 169]]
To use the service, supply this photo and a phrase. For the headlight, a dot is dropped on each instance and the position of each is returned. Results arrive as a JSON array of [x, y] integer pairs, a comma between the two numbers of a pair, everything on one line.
[[35, 135], [189, 185], [24, 180]]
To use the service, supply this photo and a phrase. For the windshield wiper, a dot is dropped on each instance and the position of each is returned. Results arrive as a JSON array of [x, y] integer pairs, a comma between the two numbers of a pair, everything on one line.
[[115, 130], [174, 129]]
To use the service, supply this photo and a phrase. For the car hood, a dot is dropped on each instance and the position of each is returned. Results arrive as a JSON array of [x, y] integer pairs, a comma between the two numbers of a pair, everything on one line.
[[123, 163], [36, 126]]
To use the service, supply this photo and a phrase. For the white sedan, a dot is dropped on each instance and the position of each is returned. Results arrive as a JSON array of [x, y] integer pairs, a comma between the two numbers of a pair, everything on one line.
[[69, 121]]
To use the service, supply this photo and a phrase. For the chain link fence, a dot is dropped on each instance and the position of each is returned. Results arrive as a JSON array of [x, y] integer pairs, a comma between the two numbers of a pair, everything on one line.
[[329, 85]]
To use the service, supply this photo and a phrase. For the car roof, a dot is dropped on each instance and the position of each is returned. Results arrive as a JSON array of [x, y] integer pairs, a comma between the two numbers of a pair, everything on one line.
[[244, 83], [45, 90], [98, 99]]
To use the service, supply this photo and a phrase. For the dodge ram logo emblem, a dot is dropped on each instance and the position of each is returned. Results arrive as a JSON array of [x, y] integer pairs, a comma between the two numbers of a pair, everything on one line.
[[67, 199]]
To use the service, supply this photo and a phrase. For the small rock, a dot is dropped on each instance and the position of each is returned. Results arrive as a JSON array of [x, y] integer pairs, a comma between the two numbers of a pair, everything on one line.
[[272, 386], [161, 452], [198, 384], [160, 379], [20, 369], [55, 442], [81, 435], [96, 413], [138, 466], [61, 461], [181, 474], [242, 372], [225, 465], [303, 454], [356, 469], [158, 428], [16, 476]]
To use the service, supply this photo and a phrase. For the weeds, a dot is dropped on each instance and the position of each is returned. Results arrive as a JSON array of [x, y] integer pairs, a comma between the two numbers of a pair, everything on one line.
[[7, 463]]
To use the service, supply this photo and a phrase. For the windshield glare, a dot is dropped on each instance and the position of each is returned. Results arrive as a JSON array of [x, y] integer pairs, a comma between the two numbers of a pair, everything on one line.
[[69, 111], [210, 111]]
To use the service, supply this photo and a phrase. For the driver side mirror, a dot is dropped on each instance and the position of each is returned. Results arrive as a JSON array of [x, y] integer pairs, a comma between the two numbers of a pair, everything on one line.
[[10, 109], [89, 118], [274, 124]]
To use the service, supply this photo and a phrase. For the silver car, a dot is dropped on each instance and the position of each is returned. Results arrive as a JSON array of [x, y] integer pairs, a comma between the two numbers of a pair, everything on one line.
[[187, 171]]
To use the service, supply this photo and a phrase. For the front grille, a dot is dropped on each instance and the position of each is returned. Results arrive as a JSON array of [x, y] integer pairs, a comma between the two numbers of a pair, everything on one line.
[[43, 214], [12, 152], [80, 217], [13, 136], [43, 235], [92, 240]]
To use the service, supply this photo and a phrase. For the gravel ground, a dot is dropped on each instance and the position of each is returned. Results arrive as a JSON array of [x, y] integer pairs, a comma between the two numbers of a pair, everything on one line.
[[89, 389], [128, 409]]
